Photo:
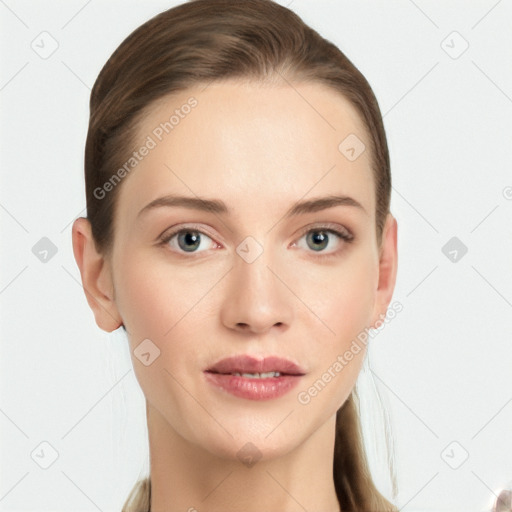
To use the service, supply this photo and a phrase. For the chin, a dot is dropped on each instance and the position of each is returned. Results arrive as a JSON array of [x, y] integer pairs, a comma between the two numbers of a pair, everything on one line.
[[250, 451]]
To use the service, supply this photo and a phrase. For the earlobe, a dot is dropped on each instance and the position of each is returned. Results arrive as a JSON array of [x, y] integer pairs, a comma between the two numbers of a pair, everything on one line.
[[388, 264], [96, 276]]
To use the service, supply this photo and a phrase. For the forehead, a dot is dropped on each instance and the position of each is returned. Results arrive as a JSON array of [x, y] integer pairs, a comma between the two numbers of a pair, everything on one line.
[[253, 145]]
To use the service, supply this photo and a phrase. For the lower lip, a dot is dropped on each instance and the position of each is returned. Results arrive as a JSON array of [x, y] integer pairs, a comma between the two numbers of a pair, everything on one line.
[[254, 389]]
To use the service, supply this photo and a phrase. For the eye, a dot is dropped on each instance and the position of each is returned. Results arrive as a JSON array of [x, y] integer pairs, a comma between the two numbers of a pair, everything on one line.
[[190, 239], [320, 237], [186, 240]]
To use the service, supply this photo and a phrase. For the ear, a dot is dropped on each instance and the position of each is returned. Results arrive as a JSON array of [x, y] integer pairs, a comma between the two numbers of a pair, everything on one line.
[[96, 277], [388, 262]]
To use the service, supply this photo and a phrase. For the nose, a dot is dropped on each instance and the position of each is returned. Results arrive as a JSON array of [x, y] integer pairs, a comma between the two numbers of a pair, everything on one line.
[[257, 297]]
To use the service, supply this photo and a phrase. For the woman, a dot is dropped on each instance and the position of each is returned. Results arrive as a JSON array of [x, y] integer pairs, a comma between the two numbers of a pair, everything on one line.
[[238, 227]]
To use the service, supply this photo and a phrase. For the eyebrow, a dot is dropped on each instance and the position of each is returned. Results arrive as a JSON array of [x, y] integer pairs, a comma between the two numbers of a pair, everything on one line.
[[219, 207]]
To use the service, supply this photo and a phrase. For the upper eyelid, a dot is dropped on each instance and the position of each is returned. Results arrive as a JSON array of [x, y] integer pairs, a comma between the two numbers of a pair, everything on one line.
[[327, 226], [315, 225]]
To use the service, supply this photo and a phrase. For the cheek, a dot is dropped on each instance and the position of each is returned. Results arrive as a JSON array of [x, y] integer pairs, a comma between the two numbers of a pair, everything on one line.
[[154, 308], [351, 305], [164, 306], [345, 307], [150, 301], [345, 302]]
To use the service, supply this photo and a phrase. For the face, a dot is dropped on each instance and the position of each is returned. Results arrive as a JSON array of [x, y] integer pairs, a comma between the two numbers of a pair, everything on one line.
[[252, 279]]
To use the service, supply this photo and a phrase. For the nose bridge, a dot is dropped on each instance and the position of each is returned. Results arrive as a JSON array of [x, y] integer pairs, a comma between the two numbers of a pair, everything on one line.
[[253, 266], [257, 297]]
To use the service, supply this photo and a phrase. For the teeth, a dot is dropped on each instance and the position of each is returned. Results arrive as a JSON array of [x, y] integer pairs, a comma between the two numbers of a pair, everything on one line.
[[257, 375]]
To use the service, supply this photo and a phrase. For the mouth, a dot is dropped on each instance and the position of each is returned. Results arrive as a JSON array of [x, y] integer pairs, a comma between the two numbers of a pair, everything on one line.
[[252, 368], [249, 378], [266, 375]]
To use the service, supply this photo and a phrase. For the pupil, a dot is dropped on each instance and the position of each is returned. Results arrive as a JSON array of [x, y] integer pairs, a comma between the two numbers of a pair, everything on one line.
[[189, 237], [318, 237]]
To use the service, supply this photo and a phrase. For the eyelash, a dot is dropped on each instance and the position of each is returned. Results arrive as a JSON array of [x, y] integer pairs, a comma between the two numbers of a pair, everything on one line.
[[344, 235]]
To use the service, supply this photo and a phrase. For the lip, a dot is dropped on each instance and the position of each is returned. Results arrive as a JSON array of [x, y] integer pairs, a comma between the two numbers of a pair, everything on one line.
[[253, 388], [220, 375], [248, 364]]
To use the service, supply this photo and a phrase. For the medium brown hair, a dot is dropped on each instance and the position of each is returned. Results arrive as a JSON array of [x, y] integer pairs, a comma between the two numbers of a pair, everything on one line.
[[196, 43]]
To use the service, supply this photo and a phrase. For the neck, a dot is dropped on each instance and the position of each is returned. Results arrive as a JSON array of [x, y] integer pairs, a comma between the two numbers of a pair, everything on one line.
[[189, 477]]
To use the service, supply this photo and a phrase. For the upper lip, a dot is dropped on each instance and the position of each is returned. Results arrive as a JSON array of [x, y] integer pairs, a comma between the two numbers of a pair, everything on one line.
[[249, 364]]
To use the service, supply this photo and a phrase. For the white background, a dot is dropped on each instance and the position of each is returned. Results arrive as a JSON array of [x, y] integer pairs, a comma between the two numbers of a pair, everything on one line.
[[443, 365]]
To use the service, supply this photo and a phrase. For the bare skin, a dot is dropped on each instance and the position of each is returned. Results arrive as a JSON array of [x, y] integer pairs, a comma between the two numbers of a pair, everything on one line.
[[259, 149]]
